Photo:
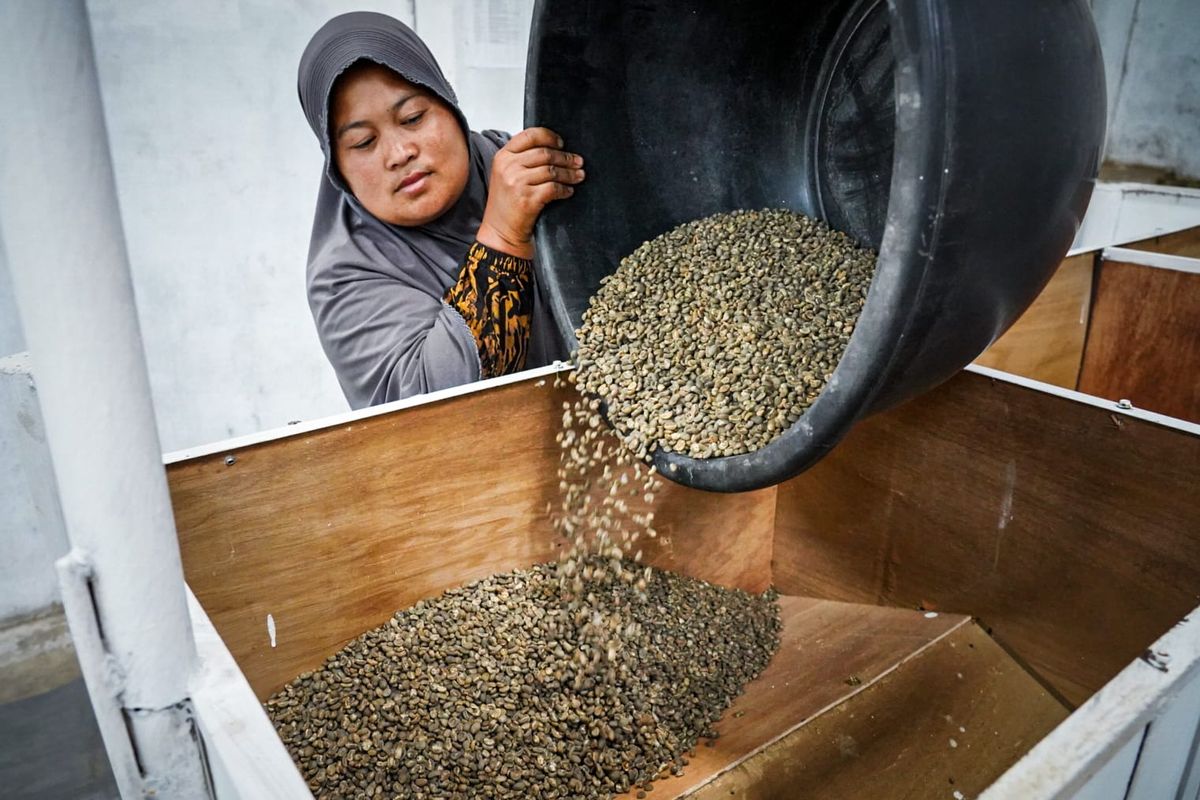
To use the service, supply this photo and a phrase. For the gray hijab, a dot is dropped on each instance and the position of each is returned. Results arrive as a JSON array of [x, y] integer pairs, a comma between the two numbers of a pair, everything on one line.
[[376, 289]]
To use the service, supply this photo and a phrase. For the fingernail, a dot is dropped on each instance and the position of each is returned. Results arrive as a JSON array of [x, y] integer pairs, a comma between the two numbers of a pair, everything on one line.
[[560, 142], [582, 174], [579, 160]]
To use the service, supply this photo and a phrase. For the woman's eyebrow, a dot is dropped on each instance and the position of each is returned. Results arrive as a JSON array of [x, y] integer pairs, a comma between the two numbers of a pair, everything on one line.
[[362, 123]]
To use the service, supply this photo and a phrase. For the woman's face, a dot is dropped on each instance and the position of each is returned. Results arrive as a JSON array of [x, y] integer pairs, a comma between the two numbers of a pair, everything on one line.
[[398, 146]]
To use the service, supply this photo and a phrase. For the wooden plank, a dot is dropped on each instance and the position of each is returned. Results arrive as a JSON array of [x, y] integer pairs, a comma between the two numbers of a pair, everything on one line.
[[949, 719], [1046, 343], [1179, 243], [327, 533], [1070, 531], [246, 758], [828, 652], [1144, 339]]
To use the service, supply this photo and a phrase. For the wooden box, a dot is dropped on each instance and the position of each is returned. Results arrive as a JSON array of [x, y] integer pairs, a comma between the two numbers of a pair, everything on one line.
[[959, 575]]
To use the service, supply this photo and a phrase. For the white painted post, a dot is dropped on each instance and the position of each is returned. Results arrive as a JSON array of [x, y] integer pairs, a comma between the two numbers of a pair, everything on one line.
[[66, 252]]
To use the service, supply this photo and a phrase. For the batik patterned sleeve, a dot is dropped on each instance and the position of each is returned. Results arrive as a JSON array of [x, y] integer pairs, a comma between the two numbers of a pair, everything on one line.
[[494, 295]]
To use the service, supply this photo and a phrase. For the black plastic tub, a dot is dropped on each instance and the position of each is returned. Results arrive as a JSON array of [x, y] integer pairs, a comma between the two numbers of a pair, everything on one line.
[[960, 139]]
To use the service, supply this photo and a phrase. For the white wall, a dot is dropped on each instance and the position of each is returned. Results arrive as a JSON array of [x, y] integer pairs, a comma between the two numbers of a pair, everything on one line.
[[1152, 60], [217, 174], [28, 584], [217, 171], [32, 533], [481, 46], [12, 339]]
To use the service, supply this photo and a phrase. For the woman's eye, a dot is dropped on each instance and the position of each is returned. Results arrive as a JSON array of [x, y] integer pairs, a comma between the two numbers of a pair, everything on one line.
[[364, 144], [414, 119]]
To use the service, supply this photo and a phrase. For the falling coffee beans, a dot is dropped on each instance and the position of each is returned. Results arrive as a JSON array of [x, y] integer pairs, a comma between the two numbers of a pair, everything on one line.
[[713, 338]]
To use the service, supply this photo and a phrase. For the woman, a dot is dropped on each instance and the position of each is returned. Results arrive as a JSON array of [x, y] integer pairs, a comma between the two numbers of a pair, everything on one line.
[[420, 272]]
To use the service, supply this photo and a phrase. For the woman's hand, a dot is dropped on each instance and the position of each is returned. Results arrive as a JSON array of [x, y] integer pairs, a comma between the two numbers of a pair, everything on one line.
[[527, 173]]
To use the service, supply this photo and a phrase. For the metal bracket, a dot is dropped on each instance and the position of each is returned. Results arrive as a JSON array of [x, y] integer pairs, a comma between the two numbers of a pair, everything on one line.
[[119, 726], [100, 672]]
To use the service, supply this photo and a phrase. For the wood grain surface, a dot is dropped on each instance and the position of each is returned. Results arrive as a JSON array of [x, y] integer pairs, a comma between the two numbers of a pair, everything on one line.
[[1144, 339], [1071, 532], [828, 652], [1046, 343], [1179, 243], [330, 532], [950, 718]]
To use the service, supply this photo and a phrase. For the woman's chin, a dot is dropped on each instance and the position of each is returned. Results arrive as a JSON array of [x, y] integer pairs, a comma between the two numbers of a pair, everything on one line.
[[414, 212]]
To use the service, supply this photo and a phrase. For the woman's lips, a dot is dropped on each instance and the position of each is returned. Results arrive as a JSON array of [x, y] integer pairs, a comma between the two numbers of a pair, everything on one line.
[[413, 183]]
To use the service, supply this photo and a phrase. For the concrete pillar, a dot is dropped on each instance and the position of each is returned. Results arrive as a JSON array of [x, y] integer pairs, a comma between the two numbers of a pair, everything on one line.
[[66, 254]]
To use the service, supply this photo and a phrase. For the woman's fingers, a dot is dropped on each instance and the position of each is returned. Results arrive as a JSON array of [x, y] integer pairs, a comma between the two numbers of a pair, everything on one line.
[[541, 156], [543, 164], [528, 173], [536, 158], [551, 173], [531, 138], [536, 171], [549, 192]]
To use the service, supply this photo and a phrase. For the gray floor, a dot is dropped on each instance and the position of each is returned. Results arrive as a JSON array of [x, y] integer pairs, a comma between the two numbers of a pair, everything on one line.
[[50, 748]]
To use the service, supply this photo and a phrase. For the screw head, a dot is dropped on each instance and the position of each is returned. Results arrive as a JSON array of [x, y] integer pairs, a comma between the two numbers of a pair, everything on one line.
[[230, 460], [1124, 404]]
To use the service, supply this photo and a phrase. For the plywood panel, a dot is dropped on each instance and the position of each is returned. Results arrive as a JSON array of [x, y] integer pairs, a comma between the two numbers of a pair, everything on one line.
[[951, 718], [1144, 339], [1180, 243], [1046, 343], [330, 532], [1073, 533], [828, 652]]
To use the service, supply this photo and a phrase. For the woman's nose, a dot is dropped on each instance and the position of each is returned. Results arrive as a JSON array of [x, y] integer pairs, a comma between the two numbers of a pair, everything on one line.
[[401, 150]]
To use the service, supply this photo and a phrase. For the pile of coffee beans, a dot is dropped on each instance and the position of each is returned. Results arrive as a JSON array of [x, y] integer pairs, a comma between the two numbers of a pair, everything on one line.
[[581, 679], [713, 338], [483, 692]]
